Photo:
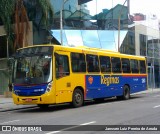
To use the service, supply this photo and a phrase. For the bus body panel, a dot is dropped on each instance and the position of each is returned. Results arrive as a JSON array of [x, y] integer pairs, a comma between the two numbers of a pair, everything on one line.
[[63, 90], [66, 85], [101, 86]]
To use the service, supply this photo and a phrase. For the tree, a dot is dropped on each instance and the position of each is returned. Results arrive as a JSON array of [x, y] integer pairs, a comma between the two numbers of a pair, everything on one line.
[[41, 14], [41, 9], [19, 24], [6, 11]]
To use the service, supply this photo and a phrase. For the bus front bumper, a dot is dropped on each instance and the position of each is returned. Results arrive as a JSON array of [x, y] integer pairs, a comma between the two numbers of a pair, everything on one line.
[[28, 100]]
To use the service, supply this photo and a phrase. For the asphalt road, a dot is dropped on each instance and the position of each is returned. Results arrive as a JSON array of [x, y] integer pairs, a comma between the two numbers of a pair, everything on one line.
[[141, 109]]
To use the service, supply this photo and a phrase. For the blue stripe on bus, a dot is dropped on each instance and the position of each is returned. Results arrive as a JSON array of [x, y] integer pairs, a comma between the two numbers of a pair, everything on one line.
[[30, 90], [101, 86]]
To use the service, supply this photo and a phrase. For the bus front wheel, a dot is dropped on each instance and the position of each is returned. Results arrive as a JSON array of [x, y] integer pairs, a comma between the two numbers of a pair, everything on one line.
[[78, 98]]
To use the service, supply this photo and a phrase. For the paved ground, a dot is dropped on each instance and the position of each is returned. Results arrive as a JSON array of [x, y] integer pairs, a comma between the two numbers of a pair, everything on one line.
[[6, 104]]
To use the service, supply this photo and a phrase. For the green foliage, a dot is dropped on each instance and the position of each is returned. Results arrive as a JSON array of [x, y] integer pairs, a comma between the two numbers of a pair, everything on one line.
[[6, 13], [33, 8], [41, 8]]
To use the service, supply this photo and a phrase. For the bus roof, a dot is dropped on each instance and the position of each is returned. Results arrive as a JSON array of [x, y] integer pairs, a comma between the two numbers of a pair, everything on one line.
[[85, 49], [96, 51]]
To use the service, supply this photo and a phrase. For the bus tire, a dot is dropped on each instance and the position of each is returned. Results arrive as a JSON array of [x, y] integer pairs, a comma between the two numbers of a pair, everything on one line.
[[77, 98], [126, 92], [43, 106]]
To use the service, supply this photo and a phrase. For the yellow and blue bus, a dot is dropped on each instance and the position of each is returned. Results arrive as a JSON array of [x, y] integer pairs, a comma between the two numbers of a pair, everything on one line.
[[53, 74]]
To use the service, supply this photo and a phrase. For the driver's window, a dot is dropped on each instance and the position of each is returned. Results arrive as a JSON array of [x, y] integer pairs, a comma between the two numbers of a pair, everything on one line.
[[21, 68], [62, 66]]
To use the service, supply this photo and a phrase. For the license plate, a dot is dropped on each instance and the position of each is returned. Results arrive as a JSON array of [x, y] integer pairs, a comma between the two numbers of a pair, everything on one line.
[[28, 99]]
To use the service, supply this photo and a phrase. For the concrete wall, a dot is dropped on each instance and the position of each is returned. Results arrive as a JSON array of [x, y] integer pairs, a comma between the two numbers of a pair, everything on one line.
[[142, 29], [2, 31], [4, 76], [29, 36]]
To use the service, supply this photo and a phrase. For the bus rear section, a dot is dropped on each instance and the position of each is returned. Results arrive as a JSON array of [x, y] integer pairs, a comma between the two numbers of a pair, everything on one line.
[[119, 75]]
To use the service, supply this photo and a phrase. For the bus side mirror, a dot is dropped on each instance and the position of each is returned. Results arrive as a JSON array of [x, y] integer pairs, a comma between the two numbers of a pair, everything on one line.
[[10, 87]]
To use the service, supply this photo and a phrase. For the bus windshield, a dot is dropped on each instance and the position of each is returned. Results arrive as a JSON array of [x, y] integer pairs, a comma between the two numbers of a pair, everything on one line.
[[33, 69]]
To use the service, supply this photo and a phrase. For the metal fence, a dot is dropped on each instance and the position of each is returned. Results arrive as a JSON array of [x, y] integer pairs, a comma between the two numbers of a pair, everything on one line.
[[4, 76]]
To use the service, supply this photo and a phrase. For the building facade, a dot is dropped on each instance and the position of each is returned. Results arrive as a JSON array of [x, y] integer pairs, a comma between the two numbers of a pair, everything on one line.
[[147, 41], [92, 23], [96, 23]]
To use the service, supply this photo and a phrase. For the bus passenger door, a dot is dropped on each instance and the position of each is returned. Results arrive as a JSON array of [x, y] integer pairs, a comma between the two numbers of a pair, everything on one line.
[[63, 83]]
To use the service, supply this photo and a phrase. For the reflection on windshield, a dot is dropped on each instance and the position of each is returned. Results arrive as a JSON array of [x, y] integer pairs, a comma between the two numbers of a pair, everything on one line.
[[33, 70]]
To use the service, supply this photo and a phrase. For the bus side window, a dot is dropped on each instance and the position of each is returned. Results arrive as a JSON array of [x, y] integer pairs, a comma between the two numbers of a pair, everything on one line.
[[62, 66], [83, 67], [105, 64], [134, 66], [78, 62], [116, 65], [92, 63], [142, 66], [126, 65]]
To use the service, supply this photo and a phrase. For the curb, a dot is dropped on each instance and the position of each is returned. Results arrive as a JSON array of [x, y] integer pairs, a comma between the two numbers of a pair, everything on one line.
[[14, 109], [148, 91]]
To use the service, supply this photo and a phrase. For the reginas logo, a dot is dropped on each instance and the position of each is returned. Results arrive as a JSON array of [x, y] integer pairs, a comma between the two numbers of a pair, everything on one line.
[[90, 80], [109, 80]]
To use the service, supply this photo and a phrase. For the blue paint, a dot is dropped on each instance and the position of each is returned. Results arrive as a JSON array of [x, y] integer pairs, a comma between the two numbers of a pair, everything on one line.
[[101, 86], [30, 90]]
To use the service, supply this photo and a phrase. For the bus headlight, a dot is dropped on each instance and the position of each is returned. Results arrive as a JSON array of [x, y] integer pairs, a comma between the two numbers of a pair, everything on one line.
[[49, 86]]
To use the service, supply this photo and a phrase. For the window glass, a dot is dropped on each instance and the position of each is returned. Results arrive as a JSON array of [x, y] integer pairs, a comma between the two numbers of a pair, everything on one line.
[[134, 66], [92, 63], [105, 64], [78, 62], [62, 66], [116, 65], [142, 66], [126, 65]]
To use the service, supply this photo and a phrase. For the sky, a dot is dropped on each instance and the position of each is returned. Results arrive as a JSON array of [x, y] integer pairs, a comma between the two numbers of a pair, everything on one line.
[[136, 6], [145, 7]]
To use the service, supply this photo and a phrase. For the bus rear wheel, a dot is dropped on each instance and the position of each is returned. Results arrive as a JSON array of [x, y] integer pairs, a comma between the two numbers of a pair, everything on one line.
[[78, 98], [126, 92]]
